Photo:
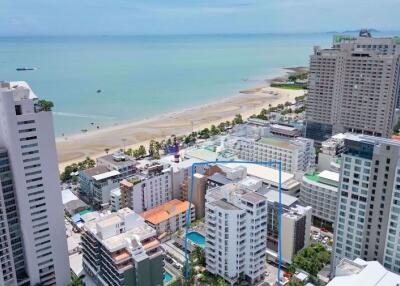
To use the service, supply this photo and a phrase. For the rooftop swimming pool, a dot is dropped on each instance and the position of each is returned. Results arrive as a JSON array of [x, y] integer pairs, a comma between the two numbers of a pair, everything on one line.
[[167, 277], [197, 238]]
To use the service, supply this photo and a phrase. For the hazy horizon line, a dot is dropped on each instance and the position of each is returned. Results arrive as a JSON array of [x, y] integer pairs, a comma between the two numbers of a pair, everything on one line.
[[349, 31]]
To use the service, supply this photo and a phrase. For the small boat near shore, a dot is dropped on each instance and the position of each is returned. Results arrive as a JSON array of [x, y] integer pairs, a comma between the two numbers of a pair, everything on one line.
[[25, 69]]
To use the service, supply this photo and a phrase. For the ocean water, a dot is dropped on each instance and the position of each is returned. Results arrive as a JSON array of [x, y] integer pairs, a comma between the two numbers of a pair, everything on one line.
[[141, 76]]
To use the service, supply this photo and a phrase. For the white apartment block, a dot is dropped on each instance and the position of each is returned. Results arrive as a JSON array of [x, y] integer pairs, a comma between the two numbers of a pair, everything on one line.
[[149, 188], [26, 133], [353, 87], [367, 224], [236, 230], [320, 191], [120, 249], [296, 155]]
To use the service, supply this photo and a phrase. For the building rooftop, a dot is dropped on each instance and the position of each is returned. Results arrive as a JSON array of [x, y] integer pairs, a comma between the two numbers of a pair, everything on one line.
[[268, 174], [135, 228], [365, 273], [67, 196], [22, 90], [182, 164], [329, 175], [117, 159], [223, 204], [273, 197], [202, 154], [280, 143], [326, 179], [95, 171], [284, 127], [106, 175], [219, 178], [253, 197], [166, 211]]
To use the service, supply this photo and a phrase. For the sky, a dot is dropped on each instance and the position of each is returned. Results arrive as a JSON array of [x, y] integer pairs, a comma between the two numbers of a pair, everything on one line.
[[129, 17]]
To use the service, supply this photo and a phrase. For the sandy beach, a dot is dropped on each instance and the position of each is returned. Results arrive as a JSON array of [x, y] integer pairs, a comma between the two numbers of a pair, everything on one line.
[[131, 135]]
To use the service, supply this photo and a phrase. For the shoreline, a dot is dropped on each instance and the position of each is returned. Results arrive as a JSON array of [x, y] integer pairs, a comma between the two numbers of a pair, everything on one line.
[[93, 143]]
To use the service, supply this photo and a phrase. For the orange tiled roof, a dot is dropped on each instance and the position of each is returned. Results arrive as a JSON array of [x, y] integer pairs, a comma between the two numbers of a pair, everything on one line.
[[165, 211]]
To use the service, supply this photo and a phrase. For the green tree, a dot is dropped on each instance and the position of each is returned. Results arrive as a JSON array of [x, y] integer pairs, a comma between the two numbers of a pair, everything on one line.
[[199, 256], [311, 259], [205, 133], [76, 281], [142, 151], [214, 130], [154, 149], [221, 282], [237, 120], [75, 167], [221, 126], [45, 105]]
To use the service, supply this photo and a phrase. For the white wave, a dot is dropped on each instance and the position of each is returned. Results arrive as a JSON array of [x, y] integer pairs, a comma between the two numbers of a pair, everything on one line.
[[67, 114]]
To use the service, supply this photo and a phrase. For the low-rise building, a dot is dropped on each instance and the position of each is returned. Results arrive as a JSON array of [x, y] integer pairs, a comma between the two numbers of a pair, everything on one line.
[[270, 177], [96, 184], [118, 161], [366, 273], [320, 191], [169, 217], [296, 155], [236, 230], [121, 249], [72, 204], [331, 150]]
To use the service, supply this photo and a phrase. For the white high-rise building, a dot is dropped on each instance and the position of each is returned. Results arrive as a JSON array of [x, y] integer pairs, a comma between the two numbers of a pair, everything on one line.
[[236, 233], [36, 231]]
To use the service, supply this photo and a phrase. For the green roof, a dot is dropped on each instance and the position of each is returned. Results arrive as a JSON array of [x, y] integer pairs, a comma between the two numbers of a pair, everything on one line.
[[340, 38], [313, 177], [85, 212]]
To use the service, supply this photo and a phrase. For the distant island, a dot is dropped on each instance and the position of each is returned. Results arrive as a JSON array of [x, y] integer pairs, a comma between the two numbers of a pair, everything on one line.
[[352, 31]]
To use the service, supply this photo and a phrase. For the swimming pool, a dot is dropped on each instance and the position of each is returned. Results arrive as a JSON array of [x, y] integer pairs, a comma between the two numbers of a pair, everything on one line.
[[167, 277], [197, 238]]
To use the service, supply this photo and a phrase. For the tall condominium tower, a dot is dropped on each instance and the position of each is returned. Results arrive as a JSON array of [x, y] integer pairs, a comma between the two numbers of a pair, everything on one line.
[[236, 233], [368, 211], [33, 242], [353, 87]]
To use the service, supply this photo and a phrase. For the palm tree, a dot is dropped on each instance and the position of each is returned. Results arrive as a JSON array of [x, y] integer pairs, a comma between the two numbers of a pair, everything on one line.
[[107, 150], [76, 281]]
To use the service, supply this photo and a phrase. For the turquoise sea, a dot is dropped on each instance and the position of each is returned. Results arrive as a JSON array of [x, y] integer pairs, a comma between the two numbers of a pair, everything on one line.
[[140, 76]]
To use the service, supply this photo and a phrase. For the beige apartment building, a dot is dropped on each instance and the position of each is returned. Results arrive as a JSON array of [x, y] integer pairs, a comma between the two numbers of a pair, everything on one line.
[[353, 87]]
